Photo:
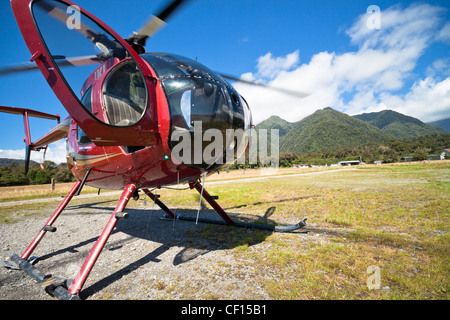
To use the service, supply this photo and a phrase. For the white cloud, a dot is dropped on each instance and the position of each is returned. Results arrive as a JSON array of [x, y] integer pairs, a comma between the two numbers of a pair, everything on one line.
[[12, 154], [365, 80], [429, 100], [444, 34], [269, 67], [440, 67], [400, 28], [56, 152]]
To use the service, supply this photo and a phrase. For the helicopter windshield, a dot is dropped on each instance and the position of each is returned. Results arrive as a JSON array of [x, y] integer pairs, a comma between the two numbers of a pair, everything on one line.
[[84, 52], [199, 97]]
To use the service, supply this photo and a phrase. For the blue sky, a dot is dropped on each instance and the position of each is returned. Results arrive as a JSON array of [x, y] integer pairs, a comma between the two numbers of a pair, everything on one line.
[[322, 47]]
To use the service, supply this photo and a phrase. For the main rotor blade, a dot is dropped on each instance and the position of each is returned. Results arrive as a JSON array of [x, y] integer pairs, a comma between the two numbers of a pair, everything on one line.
[[154, 23], [20, 67], [26, 66], [266, 86]]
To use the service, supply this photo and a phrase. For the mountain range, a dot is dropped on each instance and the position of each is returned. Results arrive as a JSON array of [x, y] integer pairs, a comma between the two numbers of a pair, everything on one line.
[[5, 162], [399, 126], [444, 123], [328, 129]]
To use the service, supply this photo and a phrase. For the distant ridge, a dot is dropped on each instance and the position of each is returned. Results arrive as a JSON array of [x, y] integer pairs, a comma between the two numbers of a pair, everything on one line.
[[399, 126], [275, 122], [4, 162], [444, 124], [327, 130]]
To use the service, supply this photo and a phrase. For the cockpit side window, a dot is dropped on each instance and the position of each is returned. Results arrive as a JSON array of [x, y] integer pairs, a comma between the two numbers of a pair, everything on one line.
[[87, 99], [124, 95], [82, 138]]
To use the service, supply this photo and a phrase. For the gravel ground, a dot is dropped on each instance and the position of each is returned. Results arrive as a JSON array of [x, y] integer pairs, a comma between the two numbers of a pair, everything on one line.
[[146, 257]]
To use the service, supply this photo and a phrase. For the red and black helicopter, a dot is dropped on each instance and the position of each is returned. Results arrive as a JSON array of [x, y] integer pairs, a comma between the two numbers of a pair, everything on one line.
[[124, 106]]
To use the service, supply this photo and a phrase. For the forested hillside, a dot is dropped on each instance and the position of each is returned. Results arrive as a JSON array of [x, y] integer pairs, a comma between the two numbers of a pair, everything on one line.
[[14, 173]]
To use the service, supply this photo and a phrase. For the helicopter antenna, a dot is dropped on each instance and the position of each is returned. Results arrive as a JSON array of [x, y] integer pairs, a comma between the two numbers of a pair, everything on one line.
[[201, 197], [178, 184]]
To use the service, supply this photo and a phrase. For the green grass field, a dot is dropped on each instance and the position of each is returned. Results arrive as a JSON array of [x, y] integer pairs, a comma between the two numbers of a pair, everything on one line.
[[379, 232]]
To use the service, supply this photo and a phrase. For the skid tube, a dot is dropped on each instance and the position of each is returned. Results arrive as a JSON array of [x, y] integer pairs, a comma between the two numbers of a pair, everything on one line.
[[226, 220], [57, 286]]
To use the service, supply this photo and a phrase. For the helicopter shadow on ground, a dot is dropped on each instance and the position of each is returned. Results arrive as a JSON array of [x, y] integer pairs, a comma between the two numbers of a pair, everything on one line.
[[191, 239]]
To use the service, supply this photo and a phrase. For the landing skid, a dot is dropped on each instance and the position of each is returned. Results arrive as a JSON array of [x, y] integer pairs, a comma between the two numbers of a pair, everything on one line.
[[226, 219], [58, 286], [55, 286], [267, 227]]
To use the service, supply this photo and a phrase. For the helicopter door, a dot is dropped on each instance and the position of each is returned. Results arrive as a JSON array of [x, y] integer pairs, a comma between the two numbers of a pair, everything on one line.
[[102, 82]]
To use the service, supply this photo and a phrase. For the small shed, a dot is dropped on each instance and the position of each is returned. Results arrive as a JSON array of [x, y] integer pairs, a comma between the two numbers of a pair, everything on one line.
[[407, 159], [444, 153], [304, 165], [349, 163], [434, 157]]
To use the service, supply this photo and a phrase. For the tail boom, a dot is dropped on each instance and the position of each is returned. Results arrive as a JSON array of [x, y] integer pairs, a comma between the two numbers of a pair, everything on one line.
[[59, 132]]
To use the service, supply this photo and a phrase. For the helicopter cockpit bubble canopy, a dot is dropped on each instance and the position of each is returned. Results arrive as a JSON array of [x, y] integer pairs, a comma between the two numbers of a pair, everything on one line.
[[200, 100], [101, 81]]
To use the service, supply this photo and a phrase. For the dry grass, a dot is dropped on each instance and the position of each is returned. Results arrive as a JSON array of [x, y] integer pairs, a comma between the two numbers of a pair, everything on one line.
[[37, 191], [393, 217], [61, 189]]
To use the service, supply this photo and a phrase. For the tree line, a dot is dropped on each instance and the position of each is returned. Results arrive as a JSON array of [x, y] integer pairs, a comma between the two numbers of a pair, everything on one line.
[[418, 148], [14, 174]]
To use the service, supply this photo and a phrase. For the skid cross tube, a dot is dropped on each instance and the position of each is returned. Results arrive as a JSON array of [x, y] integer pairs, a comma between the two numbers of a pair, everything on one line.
[[80, 278], [83, 182], [160, 204], [56, 286], [203, 193], [211, 200]]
